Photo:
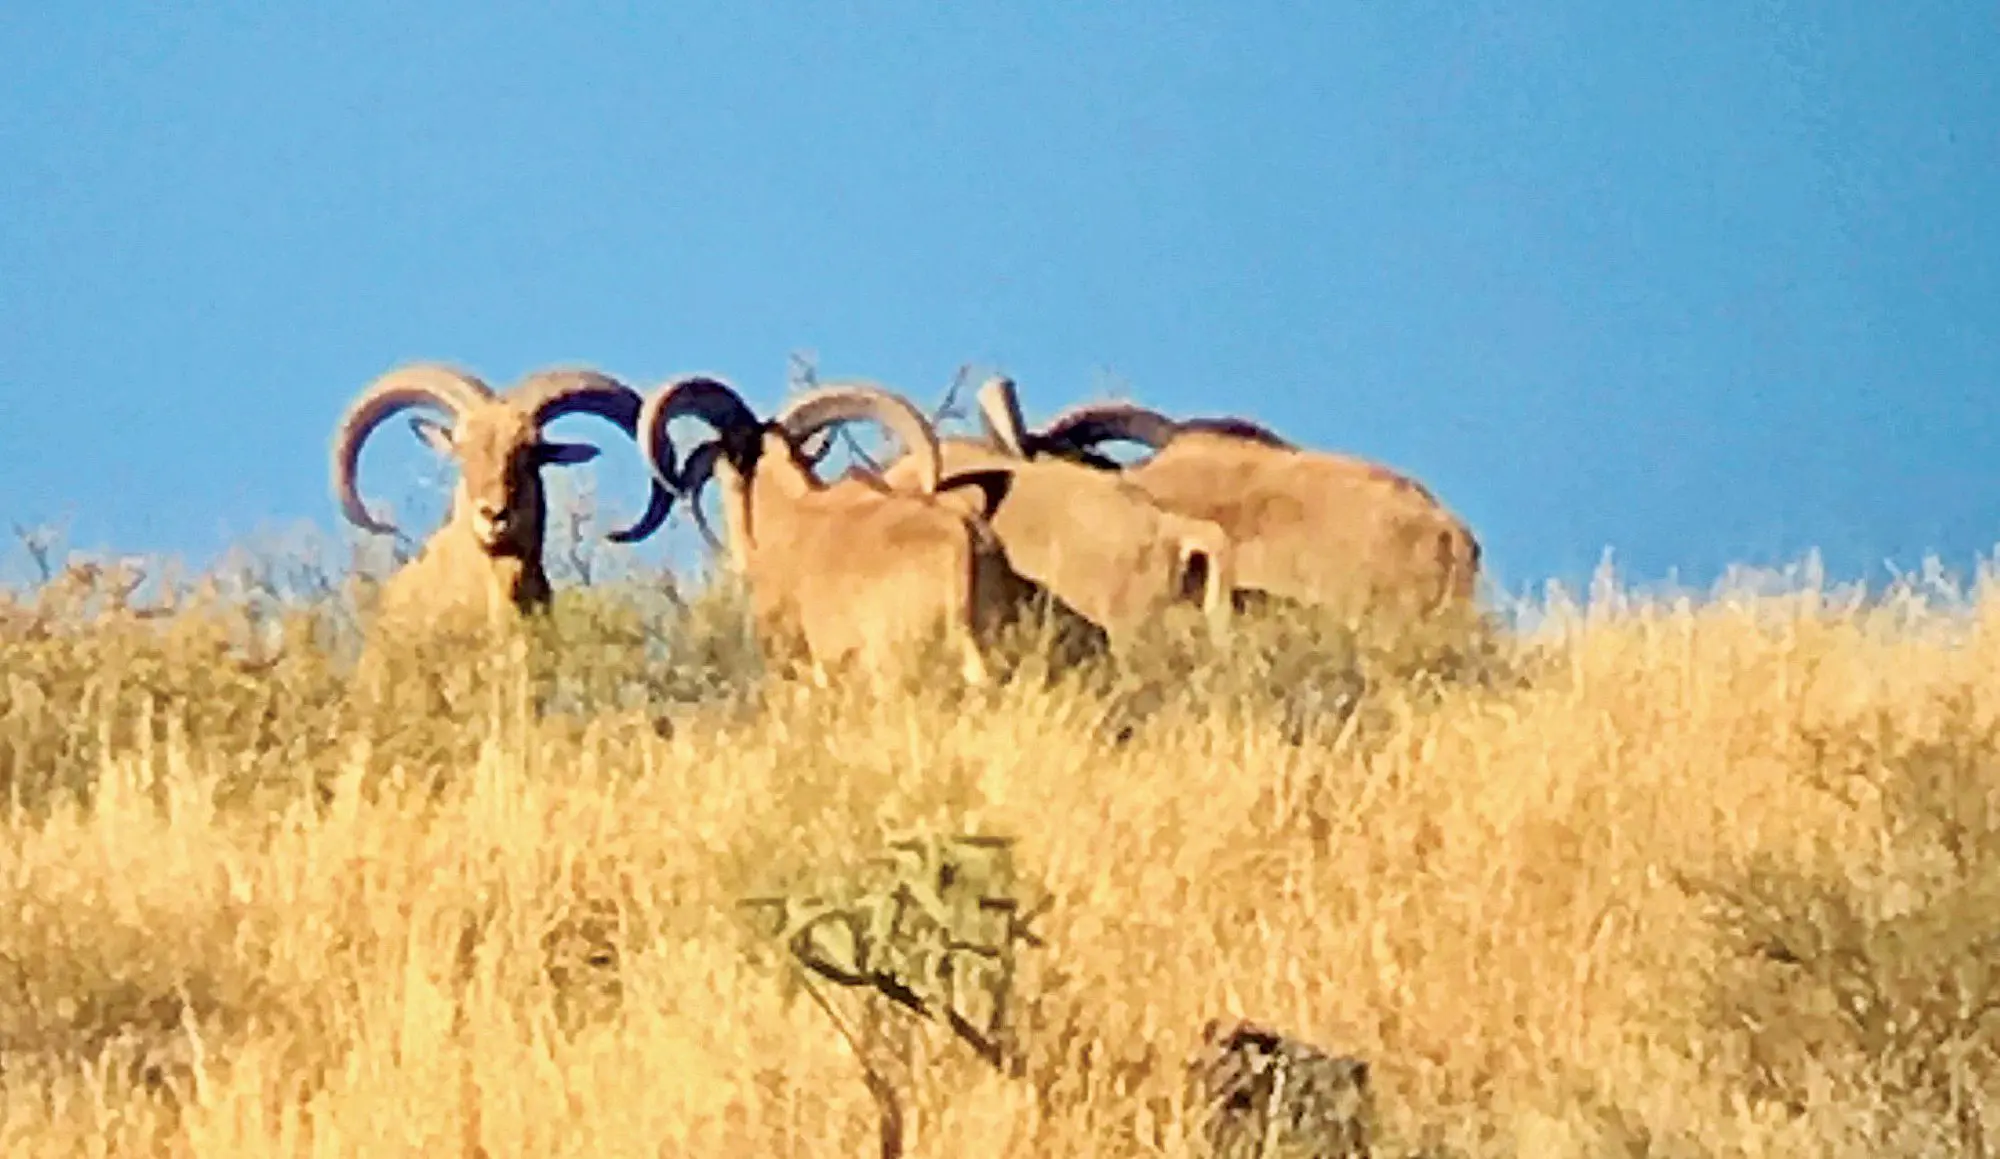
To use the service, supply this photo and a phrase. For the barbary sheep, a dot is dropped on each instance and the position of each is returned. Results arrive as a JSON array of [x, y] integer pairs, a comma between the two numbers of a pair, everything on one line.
[[1309, 527], [849, 570], [486, 558], [1094, 539]]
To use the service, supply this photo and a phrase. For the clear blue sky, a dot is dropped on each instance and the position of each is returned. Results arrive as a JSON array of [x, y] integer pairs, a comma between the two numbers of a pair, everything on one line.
[[1699, 282]]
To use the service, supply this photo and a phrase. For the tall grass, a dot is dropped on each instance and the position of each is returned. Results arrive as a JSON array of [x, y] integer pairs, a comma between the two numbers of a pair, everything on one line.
[[1659, 877]]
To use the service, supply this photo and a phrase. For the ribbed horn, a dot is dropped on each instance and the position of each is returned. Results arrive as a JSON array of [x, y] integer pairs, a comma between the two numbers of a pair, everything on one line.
[[548, 395], [1084, 426], [1000, 410], [447, 388], [705, 396], [694, 476], [853, 401]]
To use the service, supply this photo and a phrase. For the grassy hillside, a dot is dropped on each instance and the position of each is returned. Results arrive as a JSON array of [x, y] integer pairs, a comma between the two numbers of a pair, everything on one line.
[[1690, 878]]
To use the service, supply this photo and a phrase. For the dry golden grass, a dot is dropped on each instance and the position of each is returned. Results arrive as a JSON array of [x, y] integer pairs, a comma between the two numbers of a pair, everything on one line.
[[1659, 878]]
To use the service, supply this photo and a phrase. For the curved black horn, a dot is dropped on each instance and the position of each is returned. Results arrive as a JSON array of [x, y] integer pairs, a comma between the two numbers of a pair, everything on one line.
[[1081, 427], [548, 395], [694, 476], [705, 396]]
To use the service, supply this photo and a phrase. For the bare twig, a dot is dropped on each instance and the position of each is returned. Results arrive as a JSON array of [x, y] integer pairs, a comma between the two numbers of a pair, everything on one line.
[[39, 543], [888, 1106]]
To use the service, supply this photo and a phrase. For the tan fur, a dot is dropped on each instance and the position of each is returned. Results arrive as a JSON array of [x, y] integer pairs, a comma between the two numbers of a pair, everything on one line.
[[1095, 541], [481, 571], [901, 568], [1318, 528], [470, 565], [854, 572], [1311, 527]]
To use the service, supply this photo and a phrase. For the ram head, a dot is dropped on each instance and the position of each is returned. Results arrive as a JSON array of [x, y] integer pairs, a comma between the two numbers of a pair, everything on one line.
[[486, 558]]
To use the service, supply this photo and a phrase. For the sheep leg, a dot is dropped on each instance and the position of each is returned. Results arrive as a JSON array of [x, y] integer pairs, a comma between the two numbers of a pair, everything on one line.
[[970, 609], [972, 663]]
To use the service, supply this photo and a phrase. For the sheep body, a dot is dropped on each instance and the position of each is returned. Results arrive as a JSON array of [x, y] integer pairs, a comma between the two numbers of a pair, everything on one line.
[[848, 571]]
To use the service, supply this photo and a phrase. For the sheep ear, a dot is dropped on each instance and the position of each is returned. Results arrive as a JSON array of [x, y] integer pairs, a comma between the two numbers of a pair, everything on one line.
[[563, 454], [434, 434]]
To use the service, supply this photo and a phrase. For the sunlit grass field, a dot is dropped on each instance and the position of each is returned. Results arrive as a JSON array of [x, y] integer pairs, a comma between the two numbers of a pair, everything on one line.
[[1648, 876]]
